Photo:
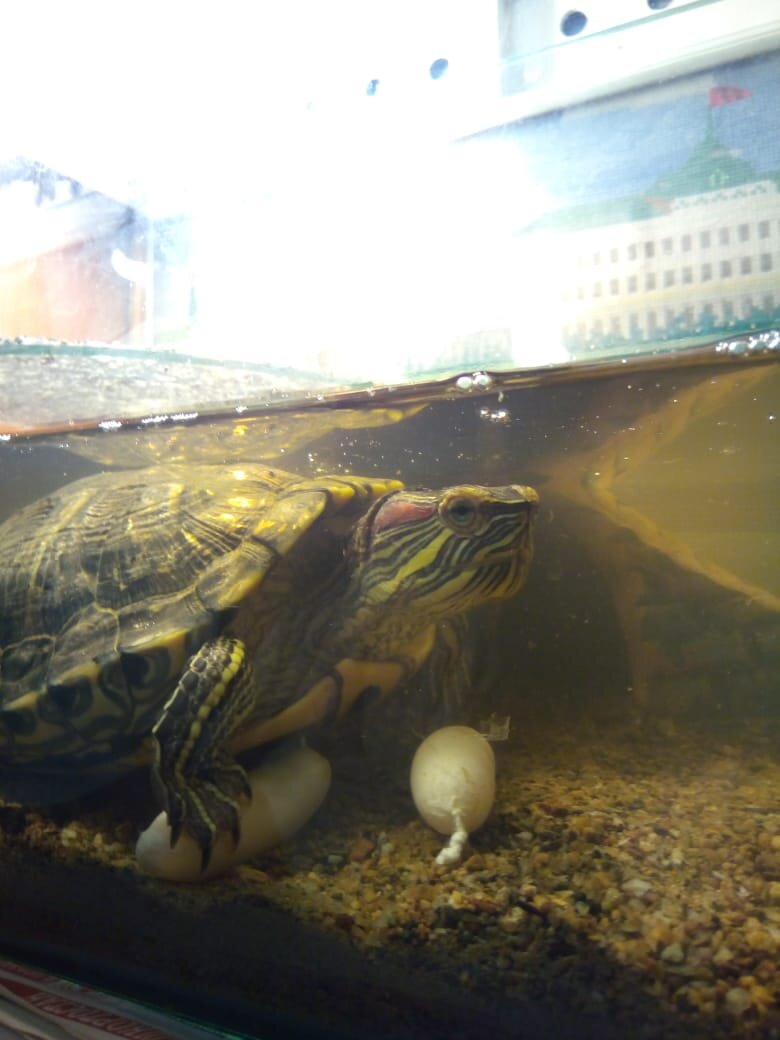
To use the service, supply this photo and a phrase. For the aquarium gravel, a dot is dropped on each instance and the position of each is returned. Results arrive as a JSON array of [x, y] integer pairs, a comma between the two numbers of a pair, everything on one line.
[[628, 880]]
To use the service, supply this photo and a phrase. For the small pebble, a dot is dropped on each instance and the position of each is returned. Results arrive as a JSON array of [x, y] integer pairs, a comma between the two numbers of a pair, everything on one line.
[[673, 954], [360, 850], [759, 938], [762, 997], [512, 920], [612, 898], [738, 1000], [636, 887]]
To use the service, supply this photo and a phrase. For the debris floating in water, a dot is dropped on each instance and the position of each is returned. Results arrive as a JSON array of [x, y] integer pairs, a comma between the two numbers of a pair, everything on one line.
[[495, 728]]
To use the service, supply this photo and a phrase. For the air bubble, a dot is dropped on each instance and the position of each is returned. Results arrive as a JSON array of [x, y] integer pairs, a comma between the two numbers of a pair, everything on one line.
[[476, 381]]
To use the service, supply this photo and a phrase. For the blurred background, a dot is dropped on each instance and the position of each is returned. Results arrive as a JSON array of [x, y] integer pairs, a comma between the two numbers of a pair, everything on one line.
[[372, 191]]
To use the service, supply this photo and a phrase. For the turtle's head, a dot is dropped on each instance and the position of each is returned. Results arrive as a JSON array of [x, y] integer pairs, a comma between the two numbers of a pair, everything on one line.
[[437, 553]]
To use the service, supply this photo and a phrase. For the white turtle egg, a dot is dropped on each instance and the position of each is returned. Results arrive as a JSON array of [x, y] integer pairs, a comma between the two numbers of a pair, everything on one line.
[[454, 771], [286, 791]]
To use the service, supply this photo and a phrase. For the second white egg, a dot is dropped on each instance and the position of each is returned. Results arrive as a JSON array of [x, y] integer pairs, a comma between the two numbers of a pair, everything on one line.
[[454, 770]]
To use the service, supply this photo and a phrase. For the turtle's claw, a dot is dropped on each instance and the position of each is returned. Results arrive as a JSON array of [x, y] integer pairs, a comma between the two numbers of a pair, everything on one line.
[[197, 782], [206, 805]]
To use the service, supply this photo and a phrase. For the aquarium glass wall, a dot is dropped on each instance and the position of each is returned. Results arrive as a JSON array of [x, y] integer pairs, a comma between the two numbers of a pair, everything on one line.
[[390, 520]]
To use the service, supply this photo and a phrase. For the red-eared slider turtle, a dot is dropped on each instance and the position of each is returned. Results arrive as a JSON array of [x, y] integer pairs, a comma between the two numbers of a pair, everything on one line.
[[181, 615]]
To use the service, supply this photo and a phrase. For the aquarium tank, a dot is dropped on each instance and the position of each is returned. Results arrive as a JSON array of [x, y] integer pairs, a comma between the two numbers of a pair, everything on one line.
[[390, 520]]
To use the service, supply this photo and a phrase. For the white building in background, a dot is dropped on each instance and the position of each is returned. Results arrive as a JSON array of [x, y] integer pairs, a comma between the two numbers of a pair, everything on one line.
[[699, 255], [712, 258]]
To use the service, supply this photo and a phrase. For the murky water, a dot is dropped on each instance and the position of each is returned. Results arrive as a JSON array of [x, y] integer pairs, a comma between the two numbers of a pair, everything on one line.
[[658, 483], [648, 631]]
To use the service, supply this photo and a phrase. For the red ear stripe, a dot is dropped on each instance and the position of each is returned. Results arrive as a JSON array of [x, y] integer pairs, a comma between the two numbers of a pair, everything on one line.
[[399, 510]]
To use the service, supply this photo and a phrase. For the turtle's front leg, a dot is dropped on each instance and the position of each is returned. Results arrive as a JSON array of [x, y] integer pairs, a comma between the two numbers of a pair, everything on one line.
[[196, 780]]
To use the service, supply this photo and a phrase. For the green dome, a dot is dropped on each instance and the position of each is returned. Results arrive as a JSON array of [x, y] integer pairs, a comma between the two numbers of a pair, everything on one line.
[[710, 167]]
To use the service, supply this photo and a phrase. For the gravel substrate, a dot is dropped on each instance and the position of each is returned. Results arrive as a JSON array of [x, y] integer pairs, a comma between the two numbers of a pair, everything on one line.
[[630, 879]]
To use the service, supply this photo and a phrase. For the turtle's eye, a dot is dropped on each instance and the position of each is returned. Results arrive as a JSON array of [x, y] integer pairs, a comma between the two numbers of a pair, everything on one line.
[[461, 513]]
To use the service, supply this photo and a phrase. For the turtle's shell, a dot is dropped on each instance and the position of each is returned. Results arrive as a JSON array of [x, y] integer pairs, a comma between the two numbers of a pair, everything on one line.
[[109, 585]]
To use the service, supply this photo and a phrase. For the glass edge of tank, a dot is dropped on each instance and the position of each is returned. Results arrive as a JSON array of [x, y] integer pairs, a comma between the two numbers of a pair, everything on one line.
[[757, 348]]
